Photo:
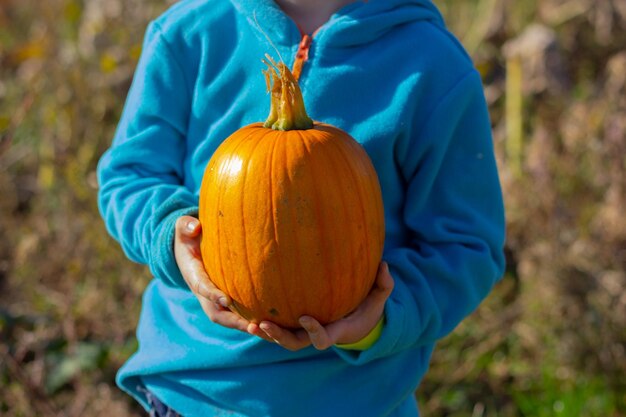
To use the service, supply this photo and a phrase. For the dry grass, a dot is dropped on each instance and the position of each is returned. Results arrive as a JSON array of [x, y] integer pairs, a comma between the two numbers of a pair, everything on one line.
[[549, 341]]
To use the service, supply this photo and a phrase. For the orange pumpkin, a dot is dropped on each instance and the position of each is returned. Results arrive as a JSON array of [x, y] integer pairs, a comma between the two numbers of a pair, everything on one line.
[[292, 215]]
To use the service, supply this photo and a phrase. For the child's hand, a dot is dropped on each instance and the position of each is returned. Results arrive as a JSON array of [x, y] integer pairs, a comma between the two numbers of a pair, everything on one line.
[[213, 301], [349, 329]]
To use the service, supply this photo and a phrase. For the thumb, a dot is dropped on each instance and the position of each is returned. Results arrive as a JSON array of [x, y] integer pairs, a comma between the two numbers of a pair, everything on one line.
[[188, 226]]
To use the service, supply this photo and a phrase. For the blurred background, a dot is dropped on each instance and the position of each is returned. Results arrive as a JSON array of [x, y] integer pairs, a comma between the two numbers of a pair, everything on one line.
[[549, 341]]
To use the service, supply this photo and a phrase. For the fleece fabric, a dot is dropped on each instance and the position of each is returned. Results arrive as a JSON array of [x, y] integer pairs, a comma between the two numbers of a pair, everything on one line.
[[389, 73]]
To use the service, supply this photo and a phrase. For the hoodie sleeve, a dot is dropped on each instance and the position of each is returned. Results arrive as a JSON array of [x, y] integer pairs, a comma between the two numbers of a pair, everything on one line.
[[141, 176], [454, 211]]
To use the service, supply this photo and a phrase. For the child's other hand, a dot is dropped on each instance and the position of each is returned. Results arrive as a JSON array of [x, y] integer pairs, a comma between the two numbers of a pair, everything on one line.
[[214, 302], [349, 329]]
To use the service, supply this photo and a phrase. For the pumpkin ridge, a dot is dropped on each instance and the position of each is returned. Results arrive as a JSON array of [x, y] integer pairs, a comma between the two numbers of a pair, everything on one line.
[[250, 151], [231, 290], [359, 191], [319, 217], [219, 260], [292, 212], [297, 256], [373, 187], [333, 160], [272, 192]]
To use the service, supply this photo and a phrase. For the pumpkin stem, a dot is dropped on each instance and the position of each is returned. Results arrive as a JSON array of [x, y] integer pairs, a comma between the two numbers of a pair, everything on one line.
[[287, 110]]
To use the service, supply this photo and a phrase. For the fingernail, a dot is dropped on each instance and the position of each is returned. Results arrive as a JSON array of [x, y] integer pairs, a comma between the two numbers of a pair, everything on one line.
[[264, 326], [223, 302], [192, 225], [305, 321]]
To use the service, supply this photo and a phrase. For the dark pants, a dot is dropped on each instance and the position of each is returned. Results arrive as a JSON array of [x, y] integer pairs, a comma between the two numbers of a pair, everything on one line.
[[157, 408]]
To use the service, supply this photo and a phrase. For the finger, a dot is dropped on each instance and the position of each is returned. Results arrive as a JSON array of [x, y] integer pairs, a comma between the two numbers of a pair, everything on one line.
[[317, 333], [255, 330], [384, 281], [287, 339], [189, 260], [203, 287], [362, 320], [188, 226], [200, 284], [374, 303], [222, 316]]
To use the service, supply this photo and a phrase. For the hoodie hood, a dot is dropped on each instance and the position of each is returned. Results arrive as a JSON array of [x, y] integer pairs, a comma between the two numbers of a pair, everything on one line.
[[355, 24]]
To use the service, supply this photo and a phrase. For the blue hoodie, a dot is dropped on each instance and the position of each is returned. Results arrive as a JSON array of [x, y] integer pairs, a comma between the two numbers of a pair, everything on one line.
[[389, 73]]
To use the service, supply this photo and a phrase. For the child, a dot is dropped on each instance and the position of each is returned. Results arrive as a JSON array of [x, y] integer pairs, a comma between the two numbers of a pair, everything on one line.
[[389, 73]]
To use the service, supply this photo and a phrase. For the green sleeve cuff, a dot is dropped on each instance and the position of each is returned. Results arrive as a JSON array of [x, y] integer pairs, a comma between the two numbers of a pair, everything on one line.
[[368, 340]]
